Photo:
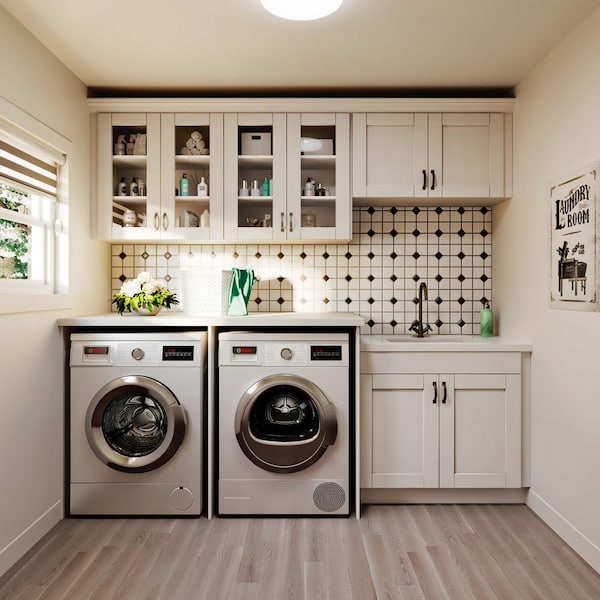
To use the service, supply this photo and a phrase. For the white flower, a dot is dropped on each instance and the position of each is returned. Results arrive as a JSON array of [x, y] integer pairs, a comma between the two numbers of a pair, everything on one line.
[[144, 277], [150, 287], [131, 288]]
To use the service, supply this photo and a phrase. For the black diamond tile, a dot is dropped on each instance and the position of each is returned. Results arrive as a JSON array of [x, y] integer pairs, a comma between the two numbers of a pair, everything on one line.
[[484, 255], [416, 255], [461, 278], [371, 300], [438, 278], [370, 323], [439, 233], [370, 210], [325, 300], [325, 255], [371, 278], [439, 210], [257, 255], [484, 278], [438, 323], [393, 256], [393, 300], [483, 233], [280, 300], [461, 255], [348, 255], [415, 277], [438, 300], [416, 210], [348, 300], [258, 300], [415, 300], [461, 211], [484, 210], [416, 232], [461, 323], [325, 277], [122, 278], [393, 210], [484, 300], [461, 300], [393, 233], [145, 255], [122, 255], [303, 277], [303, 255], [394, 323], [461, 232], [438, 255], [348, 278], [370, 233], [371, 255], [393, 278], [168, 255], [167, 278], [235, 255], [281, 279], [280, 255]]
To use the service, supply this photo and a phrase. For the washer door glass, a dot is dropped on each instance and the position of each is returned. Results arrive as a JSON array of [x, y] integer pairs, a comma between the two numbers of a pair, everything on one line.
[[284, 423], [135, 423]]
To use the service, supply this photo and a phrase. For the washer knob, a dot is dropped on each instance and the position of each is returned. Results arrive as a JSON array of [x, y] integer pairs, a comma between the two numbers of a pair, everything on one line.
[[137, 353], [286, 354]]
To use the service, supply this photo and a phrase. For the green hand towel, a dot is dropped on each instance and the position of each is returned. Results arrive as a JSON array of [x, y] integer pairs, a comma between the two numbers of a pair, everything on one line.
[[242, 281]]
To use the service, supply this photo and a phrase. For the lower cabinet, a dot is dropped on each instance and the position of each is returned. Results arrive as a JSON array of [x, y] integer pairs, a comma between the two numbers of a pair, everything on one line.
[[447, 430]]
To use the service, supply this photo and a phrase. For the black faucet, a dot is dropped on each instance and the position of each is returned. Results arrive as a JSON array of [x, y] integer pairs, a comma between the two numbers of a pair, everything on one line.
[[417, 326]]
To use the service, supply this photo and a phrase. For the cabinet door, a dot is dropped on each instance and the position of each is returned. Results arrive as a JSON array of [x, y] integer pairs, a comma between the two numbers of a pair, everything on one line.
[[404, 420], [192, 144], [466, 155], [318, 149], [255, 154], [389, 155], [480, 431], [135, 214]]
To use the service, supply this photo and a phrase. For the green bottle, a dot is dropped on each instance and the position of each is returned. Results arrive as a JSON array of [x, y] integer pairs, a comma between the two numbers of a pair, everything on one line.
[[486, 320]]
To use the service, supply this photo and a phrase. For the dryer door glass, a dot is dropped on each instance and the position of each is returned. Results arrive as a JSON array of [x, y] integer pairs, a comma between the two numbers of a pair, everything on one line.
[[134, 424]]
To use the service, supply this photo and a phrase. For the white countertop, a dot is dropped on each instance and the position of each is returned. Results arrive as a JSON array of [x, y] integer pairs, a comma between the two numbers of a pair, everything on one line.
[[440, 343], [179, 319]]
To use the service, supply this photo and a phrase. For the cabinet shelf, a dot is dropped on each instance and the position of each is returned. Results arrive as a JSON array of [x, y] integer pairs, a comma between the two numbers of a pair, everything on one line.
[[316, 200], [318, 162], [192, 160], [257, 161], [137, 161], [137, 200], [255, 199]]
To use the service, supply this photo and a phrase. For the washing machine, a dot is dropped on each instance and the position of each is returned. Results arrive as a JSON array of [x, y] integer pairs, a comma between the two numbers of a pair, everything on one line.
[[136, 407], [284, 423]]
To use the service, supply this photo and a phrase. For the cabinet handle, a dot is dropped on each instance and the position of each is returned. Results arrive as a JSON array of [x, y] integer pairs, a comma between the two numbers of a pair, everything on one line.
[[165, 221], [282, 222], [432, 179], [445, 392], [435, 392], [156, 221], [291, 222], [424, 180]]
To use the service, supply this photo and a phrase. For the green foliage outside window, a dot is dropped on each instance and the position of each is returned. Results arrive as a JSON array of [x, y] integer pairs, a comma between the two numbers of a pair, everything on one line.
[[14, 237]]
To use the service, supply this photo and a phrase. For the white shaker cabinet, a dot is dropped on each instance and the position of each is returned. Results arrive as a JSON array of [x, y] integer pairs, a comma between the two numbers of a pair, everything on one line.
[[437, 156], [455, 429]]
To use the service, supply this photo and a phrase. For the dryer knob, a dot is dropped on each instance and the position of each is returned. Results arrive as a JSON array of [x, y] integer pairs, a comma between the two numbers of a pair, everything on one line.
[[137, 353], [286, 354]]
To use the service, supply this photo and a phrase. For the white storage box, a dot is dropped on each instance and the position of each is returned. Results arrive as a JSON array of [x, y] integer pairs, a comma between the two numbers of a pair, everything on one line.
[[256, 143], [326, 149], [205, 291]]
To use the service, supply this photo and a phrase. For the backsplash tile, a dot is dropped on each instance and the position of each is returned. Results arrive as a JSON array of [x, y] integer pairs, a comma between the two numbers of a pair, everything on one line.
[[376, 275]]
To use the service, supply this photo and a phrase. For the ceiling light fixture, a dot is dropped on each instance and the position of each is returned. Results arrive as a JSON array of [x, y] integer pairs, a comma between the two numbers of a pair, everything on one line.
[[301, 10]]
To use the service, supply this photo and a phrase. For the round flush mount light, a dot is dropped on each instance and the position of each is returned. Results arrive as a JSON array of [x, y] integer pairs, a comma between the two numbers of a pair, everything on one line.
[[301, 10]]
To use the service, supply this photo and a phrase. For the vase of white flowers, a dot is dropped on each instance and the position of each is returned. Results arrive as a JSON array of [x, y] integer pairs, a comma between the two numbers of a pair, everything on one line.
[[144, 295]]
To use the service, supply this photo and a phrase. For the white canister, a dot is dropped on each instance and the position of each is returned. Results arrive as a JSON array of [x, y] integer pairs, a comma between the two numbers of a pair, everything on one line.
[[129, 218]]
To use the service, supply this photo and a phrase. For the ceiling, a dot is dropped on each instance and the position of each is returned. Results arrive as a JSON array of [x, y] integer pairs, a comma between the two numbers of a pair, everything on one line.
[[212, 46]]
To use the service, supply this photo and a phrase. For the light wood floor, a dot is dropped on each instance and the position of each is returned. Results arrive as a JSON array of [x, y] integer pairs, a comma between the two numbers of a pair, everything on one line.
[[437, 552]]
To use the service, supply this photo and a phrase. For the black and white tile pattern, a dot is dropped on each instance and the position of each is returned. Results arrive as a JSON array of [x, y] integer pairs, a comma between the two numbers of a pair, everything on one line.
[[377, 275]]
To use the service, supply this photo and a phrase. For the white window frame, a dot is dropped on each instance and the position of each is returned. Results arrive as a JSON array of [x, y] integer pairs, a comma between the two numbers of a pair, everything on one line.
[[50, 291]]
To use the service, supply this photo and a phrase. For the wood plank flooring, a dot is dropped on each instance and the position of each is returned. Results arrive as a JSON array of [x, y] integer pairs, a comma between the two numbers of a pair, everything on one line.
[[404, 552]]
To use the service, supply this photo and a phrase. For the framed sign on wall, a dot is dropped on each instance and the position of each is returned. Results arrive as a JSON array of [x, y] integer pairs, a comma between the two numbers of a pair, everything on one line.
[[573, 255]]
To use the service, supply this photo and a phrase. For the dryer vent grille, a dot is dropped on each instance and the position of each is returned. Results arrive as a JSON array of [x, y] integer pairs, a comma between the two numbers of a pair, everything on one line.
[[329, 496]]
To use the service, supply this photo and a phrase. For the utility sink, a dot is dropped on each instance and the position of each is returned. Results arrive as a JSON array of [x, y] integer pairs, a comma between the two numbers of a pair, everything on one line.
[[428, 338]]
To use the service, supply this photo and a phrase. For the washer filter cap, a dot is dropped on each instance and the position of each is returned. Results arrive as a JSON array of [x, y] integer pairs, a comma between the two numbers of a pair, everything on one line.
[[181, 498]]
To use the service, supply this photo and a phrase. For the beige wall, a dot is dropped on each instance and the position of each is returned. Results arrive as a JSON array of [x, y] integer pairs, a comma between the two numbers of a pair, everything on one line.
[[556, 130], [31, 381]]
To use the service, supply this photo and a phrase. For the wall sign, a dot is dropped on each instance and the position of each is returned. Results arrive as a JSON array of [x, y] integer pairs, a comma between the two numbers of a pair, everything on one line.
[[573, 205]]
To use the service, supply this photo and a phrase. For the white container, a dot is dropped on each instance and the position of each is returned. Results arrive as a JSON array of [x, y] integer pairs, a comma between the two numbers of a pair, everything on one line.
[[256, 143], [326, 149], [205, 291], [202, 188]]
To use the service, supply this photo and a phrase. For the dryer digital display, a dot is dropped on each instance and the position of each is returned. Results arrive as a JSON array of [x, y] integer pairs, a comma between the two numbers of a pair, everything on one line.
[[325, 353], [178, 353]]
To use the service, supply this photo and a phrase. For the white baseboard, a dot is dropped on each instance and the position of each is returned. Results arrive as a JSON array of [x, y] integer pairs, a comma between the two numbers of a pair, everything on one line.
[[568, 532], [14, 550]]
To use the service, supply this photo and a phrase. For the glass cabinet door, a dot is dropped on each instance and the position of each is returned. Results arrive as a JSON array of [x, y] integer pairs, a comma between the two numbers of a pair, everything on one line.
[[318, 175], [192, 182], [255, 171]]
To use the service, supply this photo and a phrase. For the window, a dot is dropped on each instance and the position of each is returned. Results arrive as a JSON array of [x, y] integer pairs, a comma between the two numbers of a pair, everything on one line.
[[33, 215]]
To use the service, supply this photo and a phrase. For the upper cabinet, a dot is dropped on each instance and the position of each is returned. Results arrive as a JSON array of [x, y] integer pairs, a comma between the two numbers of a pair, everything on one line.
[[287, 177], [432, 156], [141, 163]]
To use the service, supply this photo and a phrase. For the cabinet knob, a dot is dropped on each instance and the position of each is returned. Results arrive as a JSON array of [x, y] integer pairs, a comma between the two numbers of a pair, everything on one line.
[[435, 392]]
